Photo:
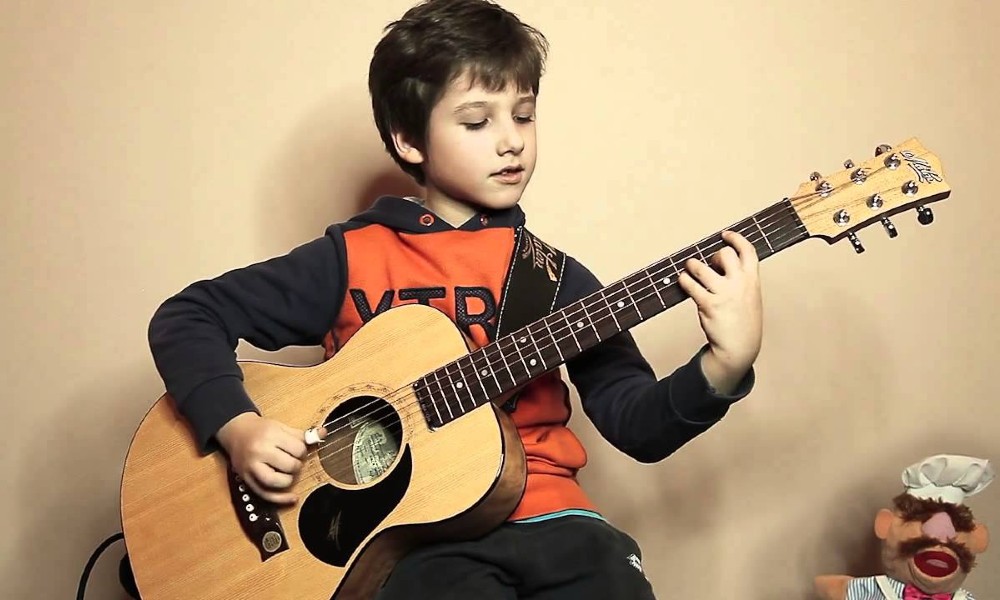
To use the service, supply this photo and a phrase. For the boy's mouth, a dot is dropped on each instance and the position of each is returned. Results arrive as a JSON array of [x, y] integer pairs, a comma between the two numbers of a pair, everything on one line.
[[509, 174], [509, 170]]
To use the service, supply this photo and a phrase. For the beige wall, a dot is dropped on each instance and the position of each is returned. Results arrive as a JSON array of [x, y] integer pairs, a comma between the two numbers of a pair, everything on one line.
[[148, 144]]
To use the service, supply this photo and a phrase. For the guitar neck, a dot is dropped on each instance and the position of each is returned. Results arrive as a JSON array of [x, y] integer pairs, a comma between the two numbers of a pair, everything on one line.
[[494, 370]]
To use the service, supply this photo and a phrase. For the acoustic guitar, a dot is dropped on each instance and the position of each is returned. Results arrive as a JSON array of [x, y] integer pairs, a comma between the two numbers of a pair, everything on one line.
[[417, 448]]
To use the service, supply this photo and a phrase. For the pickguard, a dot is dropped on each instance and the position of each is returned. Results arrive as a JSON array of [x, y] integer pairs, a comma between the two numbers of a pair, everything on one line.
[[334, 521]]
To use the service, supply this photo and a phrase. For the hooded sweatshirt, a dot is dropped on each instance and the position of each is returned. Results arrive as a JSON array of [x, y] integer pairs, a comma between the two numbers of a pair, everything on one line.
[[396, 253]]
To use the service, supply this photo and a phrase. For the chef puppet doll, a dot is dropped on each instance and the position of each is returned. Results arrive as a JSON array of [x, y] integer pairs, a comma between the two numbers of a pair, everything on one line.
[[929, 537]]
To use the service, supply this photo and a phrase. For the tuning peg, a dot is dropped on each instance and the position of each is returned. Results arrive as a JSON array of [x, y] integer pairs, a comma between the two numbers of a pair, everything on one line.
[[889, 227], [924, 215], [855, 242], [815, 176], [882, 149], [848, 164]]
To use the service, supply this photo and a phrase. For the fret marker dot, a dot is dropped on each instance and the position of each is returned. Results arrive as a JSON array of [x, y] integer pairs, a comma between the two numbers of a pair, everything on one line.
[[579, 324], [666, 280], [459, 385], [621, 305], [532, 362], [484, 372], [522, 340]]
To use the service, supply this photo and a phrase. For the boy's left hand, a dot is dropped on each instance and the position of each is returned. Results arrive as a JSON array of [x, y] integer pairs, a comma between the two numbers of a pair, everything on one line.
[[729, 309]]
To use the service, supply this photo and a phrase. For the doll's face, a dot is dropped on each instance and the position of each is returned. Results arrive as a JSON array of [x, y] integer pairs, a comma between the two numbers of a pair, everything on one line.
[[930, 544]]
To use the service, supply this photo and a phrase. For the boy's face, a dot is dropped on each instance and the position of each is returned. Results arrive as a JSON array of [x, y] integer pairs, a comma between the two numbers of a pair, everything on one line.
[[480, 149]]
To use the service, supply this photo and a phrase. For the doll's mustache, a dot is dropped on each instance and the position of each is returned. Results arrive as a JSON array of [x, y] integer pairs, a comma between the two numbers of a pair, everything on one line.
[[966, 559]]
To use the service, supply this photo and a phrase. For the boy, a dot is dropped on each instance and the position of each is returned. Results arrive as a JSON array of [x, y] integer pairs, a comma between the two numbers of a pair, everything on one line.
[[454, 86]]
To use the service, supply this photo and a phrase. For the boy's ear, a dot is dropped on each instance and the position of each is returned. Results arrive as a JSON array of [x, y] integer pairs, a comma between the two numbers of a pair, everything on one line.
[[406, 150]]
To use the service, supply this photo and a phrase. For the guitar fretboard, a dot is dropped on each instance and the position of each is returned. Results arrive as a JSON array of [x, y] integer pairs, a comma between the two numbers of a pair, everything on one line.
[[492, 371]]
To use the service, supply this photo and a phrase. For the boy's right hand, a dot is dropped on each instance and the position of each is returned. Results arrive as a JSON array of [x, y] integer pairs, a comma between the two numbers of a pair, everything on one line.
[[265, 453]]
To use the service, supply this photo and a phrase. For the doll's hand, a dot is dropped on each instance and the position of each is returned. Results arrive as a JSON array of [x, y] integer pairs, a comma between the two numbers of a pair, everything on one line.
[[729, 310]]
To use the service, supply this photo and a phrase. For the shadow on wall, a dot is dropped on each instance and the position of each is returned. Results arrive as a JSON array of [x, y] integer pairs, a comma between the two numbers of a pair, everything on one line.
[[332, 166], [56, 536]]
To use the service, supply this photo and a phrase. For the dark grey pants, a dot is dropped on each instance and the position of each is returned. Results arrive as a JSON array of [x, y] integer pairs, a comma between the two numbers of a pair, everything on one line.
[[570, 557]]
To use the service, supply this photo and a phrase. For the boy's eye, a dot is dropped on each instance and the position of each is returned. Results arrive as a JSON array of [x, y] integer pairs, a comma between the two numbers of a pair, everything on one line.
[[524, 118], [476, 125]]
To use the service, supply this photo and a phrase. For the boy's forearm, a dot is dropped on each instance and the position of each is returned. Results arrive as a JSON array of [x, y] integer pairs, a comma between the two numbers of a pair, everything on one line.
[[193, 335], [722, 377]]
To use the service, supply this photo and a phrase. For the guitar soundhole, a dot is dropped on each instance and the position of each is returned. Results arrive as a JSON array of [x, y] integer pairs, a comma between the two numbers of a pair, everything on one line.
[[363, 440]]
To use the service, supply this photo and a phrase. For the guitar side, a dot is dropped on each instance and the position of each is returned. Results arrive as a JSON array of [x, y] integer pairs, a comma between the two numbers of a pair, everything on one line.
[[180, 523]]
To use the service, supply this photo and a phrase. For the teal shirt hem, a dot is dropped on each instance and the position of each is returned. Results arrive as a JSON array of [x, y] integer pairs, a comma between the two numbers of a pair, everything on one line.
[[562, 513]]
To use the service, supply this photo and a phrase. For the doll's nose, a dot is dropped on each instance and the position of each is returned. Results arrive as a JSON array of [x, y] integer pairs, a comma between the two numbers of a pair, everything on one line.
[[939, 527]]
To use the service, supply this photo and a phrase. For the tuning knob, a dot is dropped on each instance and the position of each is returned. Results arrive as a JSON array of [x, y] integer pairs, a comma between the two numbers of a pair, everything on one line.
[[855, 242], [848, 164], [924, 215], [882, 149], [815, 176], [889, 227]]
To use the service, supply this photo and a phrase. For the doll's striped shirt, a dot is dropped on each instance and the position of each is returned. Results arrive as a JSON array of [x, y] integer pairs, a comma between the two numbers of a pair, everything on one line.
[[866, 588]]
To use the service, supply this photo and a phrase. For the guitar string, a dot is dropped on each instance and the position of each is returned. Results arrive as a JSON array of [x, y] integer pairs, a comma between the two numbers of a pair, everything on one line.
[[408, 409], [780, 211], [617, 296], [638, 296]]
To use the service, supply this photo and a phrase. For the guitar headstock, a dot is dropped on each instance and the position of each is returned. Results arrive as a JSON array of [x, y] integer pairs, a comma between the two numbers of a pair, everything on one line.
[[837, 205]]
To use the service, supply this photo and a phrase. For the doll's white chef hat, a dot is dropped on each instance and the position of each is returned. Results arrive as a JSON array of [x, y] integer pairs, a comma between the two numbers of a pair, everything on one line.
[[947, 477]]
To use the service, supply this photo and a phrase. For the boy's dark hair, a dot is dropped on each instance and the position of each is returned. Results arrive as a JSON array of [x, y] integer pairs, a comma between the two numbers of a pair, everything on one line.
[[433, 44]]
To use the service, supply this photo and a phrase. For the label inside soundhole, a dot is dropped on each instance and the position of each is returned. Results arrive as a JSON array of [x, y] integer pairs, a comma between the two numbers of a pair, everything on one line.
[[374, 450]]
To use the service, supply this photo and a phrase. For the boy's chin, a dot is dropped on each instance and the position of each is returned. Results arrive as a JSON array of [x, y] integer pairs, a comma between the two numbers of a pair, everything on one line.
[[499, 200]]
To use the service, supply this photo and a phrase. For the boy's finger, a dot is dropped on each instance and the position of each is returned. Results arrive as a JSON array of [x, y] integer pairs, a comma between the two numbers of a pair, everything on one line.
[[283, 462], [746, 251], [704, 274], [293, 444], [694, 289], [269, 495]]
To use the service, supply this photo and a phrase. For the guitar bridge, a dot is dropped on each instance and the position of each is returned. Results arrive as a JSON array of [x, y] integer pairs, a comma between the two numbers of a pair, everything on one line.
[[257, 518]]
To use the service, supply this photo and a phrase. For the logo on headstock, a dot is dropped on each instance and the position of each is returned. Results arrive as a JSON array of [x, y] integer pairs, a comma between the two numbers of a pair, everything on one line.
[[923, 169]]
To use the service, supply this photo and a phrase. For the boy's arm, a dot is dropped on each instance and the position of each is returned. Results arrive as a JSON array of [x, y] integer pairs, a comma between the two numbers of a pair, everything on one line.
[[646, 418], [288, 300]]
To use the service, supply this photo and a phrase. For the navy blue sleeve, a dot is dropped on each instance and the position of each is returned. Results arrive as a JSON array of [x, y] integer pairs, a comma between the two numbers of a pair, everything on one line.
[[646, 418], [287, 300]]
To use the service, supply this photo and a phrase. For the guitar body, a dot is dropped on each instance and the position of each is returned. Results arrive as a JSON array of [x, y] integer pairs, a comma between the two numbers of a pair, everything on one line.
[[182, 519]]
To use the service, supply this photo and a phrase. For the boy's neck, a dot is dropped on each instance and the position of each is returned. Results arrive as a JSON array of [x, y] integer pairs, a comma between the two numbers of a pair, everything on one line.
[[452, 211]]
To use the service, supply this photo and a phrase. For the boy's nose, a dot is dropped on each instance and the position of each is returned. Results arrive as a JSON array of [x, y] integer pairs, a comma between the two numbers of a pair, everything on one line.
[[511, 141], [939, 527]]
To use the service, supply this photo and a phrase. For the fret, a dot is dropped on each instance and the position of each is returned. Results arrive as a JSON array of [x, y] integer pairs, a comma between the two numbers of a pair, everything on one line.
[[472, 372], [444, 396], [762, 234], [580, 330], [491, 372], [659, 296], [545, 322], [529, 362], [508, 344], [485, 371], [572, 331], [506, 365], [593, 325], [438, 398], [632, 306], [545, 349], [462, 386], [598, 313], [612, 311]]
